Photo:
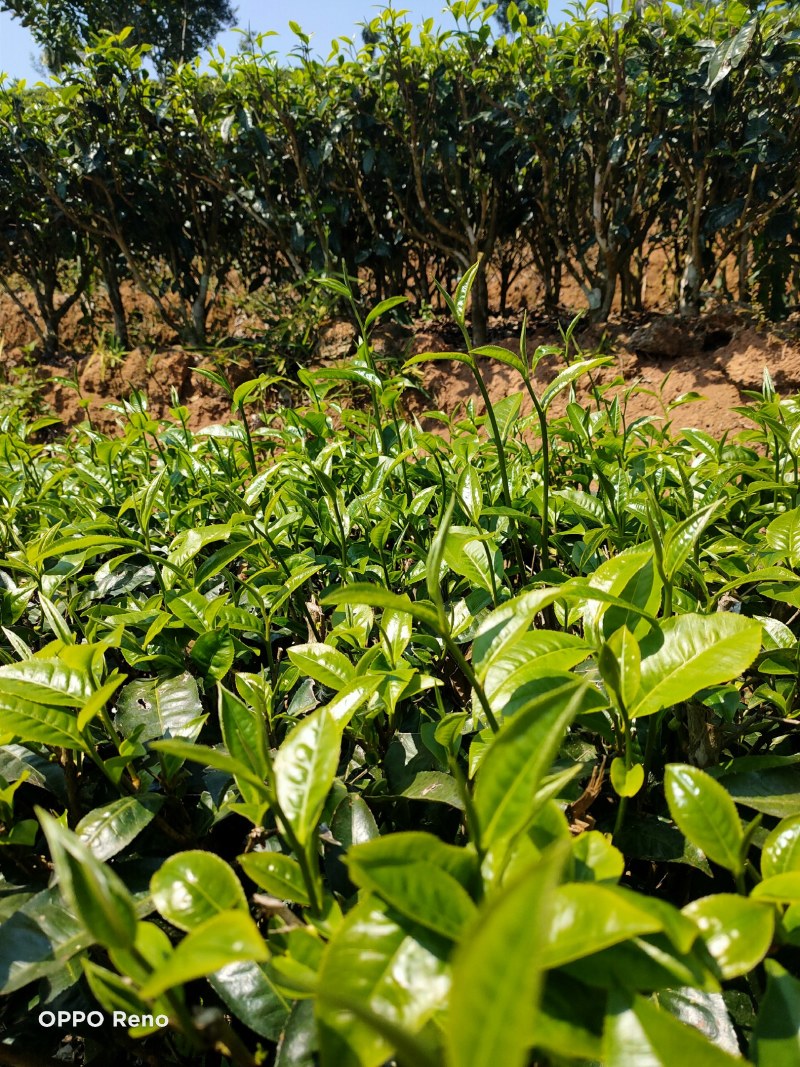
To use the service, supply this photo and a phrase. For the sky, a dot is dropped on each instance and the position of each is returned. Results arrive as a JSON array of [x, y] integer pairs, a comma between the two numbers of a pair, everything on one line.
[[322, 19]]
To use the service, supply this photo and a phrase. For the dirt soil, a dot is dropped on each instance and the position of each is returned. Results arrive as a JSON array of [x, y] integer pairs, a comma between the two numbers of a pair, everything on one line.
[[719, 355]]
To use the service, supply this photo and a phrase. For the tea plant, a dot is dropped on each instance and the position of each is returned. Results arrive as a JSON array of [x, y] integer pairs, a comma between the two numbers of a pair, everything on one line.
[[336, 740]]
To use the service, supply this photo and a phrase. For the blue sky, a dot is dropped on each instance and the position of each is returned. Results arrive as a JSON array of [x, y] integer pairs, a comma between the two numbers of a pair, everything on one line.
[[324, 19]]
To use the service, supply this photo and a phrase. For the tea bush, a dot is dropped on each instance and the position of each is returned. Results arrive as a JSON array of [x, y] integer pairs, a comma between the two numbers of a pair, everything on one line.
[[333, 740], [574, 152]]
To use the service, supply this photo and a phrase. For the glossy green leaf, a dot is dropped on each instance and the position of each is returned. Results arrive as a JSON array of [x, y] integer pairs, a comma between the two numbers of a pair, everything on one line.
[[323, 663], [191, 887], [776, 1036], [92, 890], [637, 1032], [244, 734], [110, 829], [304, 769], [279, 874], [571, 374], [690, 652], [497, 971], [518, 759], [47, 681], [418, 889], [682, 538], [783, 535], [164, 707], [704, 812], [781, 851], [249, 993], [626, 781], [372, 962], [214, 652], [782, 888], [586, 918], [619, 663], [738, 932], [226, 938], [28, 721], [38, 940], [502, 628]]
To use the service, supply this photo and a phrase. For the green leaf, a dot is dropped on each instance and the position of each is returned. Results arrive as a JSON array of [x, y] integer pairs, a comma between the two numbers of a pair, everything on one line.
[[38, 939], [463, 290], [637, 1033], [504, 626], [776, 1036], [161, 708], [705, 814], [91, 889], [226, 938], [323, 663], [427, 357], [249, 993], [783, 535], [244, 733], [620, 665], [188, 543], [536, 654], [502, 355], [497, 970], [518, 759], [55, 620], [569, 375], [595, 859], [396, 631], [377, 597], [630, 577], [304, 770], [435, 787], [372, 962], [34, 722], [382, 308], [118, 994], [728, 55], [280, 875], [350, 698], [737, 931], [691, 652], [681, 538], [781, 851], [211, 757], [433, 563], [110, 829], [192, 887], [47, 681], [780, 888], [588, 917], [626, 781], [467, 556], [214, 652], [773, 791], [418, 889]]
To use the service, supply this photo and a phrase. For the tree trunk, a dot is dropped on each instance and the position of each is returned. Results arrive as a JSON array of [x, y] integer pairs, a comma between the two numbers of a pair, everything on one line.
[[111, 277], [480, 307]]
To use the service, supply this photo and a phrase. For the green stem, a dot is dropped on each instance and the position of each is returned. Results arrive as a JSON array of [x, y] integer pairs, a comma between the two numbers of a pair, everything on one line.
[[544, 545], [471, 677], [501, 460]]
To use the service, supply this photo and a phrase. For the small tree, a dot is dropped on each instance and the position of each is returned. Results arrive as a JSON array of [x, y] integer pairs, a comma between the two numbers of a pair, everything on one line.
[[177, 29]]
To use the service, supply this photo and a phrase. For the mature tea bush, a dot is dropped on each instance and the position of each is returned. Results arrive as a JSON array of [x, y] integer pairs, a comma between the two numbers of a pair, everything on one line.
[[582, 149]]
